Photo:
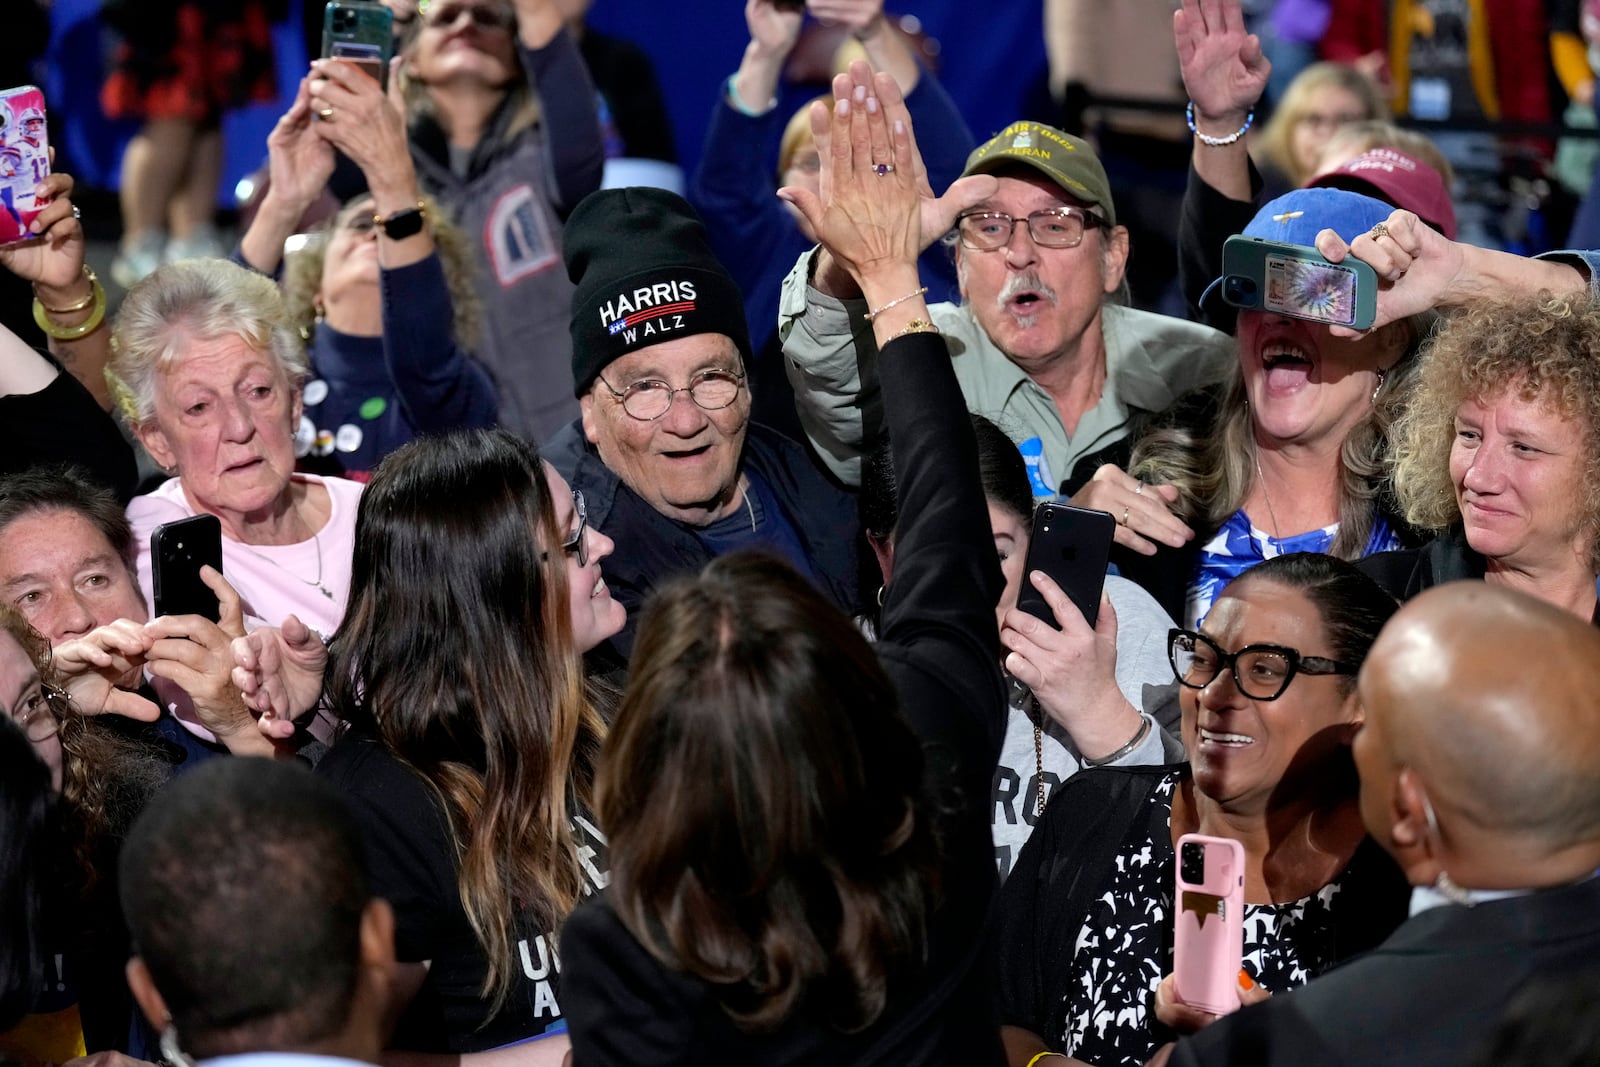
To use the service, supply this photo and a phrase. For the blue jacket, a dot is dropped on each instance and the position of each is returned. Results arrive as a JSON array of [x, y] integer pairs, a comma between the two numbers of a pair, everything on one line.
[[652, 548]]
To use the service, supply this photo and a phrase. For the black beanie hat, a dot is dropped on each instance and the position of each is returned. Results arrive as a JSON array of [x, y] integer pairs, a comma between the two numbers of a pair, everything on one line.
[[644, 274]]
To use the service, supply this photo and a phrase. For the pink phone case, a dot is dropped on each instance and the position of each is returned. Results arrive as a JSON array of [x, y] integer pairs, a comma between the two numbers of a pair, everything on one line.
[[24, 160], [1208, 938]]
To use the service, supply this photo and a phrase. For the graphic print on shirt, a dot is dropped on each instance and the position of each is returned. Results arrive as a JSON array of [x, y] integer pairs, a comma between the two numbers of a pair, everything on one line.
[[536, 957], [518, 237]]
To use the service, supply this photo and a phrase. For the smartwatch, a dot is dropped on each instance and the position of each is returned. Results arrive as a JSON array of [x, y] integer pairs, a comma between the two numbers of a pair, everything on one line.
[[401, 224]]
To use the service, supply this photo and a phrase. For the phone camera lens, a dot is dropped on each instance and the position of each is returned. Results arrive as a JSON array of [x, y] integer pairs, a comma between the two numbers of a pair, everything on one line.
[[1194, 862], [1238, 289]]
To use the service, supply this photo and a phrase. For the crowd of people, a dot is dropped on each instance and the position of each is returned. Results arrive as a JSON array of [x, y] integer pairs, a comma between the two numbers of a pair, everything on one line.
[[633, 641]]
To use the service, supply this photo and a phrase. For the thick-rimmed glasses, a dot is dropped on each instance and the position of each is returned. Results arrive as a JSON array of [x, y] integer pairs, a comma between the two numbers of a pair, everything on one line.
[[577, 544], [1058, 227], [649, 399], [38, 710], [1262, 672]]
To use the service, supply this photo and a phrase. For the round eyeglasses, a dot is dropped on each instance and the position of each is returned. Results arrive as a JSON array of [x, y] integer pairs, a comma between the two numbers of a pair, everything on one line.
[[1261, 672], [649, 399], [1060, 227]]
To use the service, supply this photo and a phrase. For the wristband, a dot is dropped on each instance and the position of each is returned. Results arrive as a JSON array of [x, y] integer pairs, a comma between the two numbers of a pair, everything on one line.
[[737, 102], [1217, 142], [1133, 742], [97, 296]]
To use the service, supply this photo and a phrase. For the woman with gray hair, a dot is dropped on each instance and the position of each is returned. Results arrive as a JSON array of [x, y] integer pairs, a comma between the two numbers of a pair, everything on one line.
[[208, 371], [1499, 451]]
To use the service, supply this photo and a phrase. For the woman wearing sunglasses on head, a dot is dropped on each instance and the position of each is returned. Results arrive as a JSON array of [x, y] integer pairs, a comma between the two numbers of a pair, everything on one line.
[[1267, 687], [472, 733]]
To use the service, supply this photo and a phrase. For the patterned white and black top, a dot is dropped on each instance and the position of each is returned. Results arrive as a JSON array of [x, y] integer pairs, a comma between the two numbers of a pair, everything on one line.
[[1125, 945]]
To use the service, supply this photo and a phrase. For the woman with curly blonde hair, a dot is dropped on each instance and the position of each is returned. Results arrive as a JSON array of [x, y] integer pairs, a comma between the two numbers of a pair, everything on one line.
[[1498, 450]]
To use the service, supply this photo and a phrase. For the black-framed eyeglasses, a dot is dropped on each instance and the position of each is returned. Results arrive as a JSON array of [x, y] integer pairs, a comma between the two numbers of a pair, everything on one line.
[[649, 399], [39, 711], [484, 16], [578, 544], [1262, 672], [1057, 227]]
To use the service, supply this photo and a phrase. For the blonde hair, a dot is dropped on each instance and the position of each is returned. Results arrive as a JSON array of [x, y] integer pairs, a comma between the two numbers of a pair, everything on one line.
[[526, 111], [1358, 138], [189, 301], [1214, 466], [1275, 145], [302, 271], [1545, 350], [796, 134]]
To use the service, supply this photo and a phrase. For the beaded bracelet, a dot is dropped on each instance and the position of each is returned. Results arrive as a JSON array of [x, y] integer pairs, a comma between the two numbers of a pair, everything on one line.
[[869, 316], [1218, 142], [97, 296], [738, 104]]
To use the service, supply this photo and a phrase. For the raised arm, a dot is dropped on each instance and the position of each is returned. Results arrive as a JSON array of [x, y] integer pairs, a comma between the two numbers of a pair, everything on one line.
[[571, 121], [299, 164]]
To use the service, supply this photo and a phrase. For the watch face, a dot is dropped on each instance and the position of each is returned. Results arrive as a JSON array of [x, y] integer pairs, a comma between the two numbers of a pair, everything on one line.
[[403, 224]]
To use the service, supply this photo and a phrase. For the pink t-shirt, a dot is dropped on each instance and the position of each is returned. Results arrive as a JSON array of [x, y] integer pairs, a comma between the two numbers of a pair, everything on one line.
[[272, 580]]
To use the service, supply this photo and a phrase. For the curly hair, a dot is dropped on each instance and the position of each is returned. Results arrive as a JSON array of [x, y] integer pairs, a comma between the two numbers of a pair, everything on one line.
[[1546, 350], [302, 272]]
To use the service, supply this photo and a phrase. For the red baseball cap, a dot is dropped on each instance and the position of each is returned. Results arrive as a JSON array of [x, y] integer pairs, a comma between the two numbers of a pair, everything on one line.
[[1402, 180]]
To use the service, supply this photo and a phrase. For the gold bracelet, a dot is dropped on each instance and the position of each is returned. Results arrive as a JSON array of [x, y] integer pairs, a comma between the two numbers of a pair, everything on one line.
[[88, 272], [916, 326], [1042, 1055], [869, 316], [72, 333]]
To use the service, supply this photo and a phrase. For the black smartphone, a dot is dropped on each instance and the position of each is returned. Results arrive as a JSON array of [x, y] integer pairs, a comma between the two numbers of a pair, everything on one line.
[[361, 33], [177, 552], [1072, 545]]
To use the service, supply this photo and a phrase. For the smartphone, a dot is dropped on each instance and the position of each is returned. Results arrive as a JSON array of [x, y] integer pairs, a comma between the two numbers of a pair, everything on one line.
[[1296, 280], [1208, 933], [177, 552], [360, 33], [24, 160], [1073, 546]]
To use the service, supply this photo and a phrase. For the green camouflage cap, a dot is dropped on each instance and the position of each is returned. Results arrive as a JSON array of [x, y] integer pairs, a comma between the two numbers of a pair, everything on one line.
[[1068, 161]]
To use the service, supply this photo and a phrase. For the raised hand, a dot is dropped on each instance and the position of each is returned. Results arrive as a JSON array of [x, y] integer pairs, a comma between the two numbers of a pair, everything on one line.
[[54, 259], [279, 672], [1143, 512], [1417, 266], [299, 163], [1223, 68], [358, 118], [773, 29]]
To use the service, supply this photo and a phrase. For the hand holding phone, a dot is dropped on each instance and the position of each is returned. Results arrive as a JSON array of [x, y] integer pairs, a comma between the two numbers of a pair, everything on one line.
[[1208, 922], [24, 161], [177, 552], [1298, 281], [360, 33], [1072, 545]]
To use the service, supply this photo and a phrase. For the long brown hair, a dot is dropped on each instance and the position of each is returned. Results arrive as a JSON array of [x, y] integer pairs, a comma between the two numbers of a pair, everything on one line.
[[457, 644], [762, 794]]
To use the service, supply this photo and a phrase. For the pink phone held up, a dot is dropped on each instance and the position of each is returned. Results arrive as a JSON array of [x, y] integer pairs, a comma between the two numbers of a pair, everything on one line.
[[24, 160], [1208, 935]]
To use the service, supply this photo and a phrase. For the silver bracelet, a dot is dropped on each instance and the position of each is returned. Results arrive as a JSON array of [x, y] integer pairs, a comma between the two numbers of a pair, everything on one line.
[[1133, 742]]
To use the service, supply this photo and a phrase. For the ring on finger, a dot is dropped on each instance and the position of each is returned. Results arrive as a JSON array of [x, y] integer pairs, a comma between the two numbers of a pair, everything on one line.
[[1124, 520], [880, 169], [1378, 230], [1138, 490], [325, 114], [77, 212]]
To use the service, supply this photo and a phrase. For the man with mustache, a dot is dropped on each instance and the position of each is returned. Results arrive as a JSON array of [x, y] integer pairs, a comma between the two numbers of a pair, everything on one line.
[[1040, 344]]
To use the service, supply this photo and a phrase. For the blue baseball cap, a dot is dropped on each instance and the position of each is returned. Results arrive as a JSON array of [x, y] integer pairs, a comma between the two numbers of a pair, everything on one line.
[[1298, 216]]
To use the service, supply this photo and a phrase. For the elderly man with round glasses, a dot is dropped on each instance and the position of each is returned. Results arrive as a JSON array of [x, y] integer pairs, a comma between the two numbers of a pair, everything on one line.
[[665, 455]]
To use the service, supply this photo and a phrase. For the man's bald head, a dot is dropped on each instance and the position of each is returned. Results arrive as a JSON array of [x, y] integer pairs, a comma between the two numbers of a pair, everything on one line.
[[1492, 698]]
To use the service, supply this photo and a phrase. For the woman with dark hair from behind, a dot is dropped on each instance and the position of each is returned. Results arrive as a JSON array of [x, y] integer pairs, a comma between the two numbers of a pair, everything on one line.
[[799, 828], [471, 740], [27, 836]]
